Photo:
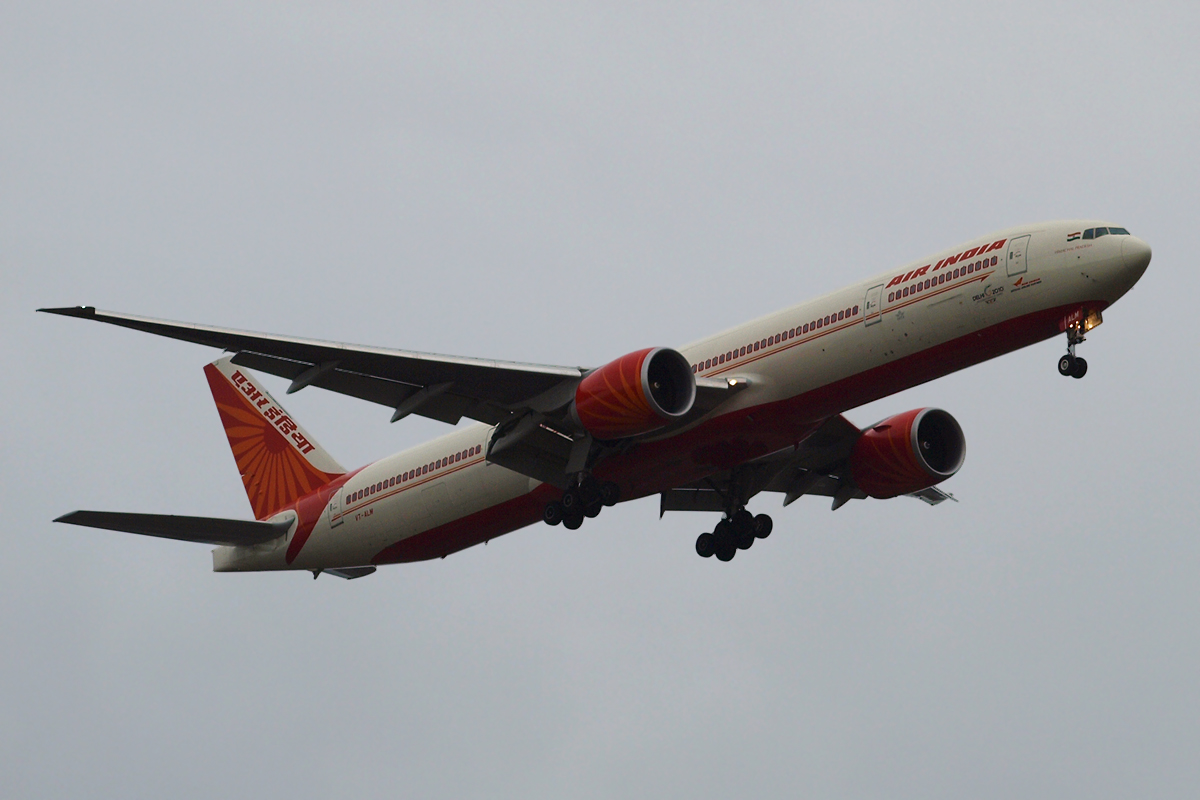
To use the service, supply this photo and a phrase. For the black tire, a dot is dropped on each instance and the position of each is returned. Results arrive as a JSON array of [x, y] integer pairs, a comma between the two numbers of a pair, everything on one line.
[[706, 545], [743, 522], [571, 501], [572, 522], [726, 549], [593, 509], [552, 514], [726, 541], [763, 526], [745, 540], [1080, 368], [1066, 365], [610, 493]]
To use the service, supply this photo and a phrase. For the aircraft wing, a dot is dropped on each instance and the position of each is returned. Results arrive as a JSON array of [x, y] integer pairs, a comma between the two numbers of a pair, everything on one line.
[[444, 388], [818, 465]]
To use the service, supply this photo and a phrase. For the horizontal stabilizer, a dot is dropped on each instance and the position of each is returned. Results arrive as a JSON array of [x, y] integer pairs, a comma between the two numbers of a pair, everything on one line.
[[205, 530]]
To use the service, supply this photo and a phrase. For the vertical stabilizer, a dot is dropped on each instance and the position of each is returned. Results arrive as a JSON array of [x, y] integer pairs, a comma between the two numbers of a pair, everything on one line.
[[278, 460]]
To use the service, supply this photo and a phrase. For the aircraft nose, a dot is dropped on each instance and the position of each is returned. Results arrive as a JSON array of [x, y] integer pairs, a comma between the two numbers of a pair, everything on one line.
[[1135, 254]]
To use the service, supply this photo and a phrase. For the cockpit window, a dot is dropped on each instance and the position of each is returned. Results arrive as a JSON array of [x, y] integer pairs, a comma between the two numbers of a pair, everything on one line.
[[1096, 233]]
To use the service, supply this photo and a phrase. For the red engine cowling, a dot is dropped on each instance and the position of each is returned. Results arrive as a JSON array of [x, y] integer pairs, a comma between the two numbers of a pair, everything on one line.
[[635, 394], [908, 452]]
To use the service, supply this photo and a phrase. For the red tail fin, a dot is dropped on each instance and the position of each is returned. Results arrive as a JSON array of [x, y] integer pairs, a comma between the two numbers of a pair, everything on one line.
[[278, 460]]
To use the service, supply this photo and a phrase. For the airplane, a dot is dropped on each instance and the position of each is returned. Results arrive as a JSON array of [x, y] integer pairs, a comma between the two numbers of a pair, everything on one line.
[[706, 427]]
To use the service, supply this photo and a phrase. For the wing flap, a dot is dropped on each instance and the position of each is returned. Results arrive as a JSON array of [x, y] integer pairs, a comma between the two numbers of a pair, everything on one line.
[[205, 530]]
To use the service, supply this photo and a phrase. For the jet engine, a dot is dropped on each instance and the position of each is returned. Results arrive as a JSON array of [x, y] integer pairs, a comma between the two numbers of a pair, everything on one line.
[[907, 453], [635, 394]]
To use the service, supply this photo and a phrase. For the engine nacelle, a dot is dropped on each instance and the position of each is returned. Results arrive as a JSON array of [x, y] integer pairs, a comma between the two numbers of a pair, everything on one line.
[[908, 452], [635, 394]]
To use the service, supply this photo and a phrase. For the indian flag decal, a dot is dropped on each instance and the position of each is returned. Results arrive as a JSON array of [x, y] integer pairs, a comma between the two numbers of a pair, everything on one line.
[[1073, 236]]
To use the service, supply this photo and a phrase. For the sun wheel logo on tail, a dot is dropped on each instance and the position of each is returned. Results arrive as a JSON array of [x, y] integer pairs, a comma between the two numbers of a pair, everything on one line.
[[907, 453], [277, 459], [635, 394]]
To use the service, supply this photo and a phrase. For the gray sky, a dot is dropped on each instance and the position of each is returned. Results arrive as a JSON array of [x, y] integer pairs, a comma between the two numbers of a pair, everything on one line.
[[562, 184]]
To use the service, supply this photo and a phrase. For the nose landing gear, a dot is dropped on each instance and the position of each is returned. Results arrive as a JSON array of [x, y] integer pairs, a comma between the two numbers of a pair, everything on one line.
[[737, 531], [1071, 365]]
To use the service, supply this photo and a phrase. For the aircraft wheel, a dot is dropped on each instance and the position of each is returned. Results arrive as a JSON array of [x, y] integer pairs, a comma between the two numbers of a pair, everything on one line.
[[726, 541], [610, 493], [592, 509], [553, 513], [1080, 368], [1066, 365], [745, 539], [763, 526], [572, 501], [706, 545], [726, 549], [743, 522], [572, 522]]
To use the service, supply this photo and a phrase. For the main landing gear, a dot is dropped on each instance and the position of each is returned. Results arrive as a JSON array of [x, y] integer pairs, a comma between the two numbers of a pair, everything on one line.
[[586, 499], [1071, 365], [737, 531]]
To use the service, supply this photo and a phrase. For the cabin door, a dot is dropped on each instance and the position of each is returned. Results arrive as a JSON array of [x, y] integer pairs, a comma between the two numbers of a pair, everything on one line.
[[872, 308], [1017, 262], [335, 509]]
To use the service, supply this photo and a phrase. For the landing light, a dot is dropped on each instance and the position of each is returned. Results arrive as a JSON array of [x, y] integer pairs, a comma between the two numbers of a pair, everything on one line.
[[1092, 320]]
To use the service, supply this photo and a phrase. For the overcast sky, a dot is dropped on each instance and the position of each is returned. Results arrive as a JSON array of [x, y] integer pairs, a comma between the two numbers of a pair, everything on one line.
[[562, 184]]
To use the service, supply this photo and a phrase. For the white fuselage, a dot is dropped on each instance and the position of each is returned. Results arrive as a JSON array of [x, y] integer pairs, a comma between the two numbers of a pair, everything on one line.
[[892, 335]]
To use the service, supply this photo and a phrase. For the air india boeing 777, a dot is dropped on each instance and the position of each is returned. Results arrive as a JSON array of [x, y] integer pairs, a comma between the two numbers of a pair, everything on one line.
[[757, 408]]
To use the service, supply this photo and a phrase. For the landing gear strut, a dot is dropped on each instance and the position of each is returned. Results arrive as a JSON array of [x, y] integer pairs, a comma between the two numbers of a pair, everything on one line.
[[737, 531], [587, 498], [1071, 365]]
